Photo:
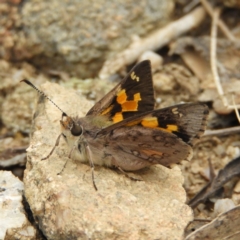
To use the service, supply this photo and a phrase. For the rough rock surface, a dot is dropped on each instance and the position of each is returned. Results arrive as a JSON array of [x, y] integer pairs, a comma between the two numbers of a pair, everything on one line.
[[79, 35], [67, 206], [13, 222]]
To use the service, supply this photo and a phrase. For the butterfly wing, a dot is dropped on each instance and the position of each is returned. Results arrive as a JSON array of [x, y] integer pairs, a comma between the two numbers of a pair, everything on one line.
[[162, 136], [133, 148], [186, 121], [133, 95]]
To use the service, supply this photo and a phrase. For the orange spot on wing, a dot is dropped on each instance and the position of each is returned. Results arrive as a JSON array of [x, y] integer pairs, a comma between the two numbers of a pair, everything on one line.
[[172, 128], [151, 122], [137, 97], [122, 96], [117, 117], [129, 106], [150, 152]]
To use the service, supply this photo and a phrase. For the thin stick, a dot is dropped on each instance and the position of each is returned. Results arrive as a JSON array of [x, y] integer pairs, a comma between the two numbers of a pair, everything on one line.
[[213, 61], [220, 23], [213, 51], [222, 132], [212, 173], [235, 109], [189, 6]]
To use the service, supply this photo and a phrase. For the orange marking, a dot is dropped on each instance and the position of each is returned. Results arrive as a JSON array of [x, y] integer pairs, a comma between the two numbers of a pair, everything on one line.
[[107, 110], [129, 106], [117, 117], [151, 122], [172, 128], [66, 123], [137, 97], [122, 96], [150, 152]]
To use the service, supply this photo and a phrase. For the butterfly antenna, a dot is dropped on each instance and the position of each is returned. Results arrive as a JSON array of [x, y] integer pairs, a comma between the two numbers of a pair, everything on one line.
[[43, 94]]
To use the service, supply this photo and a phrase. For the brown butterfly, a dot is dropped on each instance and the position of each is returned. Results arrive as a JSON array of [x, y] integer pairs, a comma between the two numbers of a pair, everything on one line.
[[123, 130]]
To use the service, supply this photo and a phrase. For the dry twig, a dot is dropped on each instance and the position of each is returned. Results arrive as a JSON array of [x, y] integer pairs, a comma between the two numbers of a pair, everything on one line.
[[235, 109], [220, 23], [222, 132], [213, 61], [153, 42], [213, 58]]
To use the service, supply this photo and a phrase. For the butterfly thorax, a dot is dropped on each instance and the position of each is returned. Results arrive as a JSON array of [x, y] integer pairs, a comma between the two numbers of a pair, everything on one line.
[[79, 131]]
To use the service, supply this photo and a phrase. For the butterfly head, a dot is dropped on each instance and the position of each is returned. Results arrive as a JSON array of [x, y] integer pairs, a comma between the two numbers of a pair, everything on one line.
[[71, 126]]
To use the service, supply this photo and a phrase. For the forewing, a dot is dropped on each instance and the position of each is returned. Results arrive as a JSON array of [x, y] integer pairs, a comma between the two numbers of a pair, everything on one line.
[[185, 121], [133, 95]]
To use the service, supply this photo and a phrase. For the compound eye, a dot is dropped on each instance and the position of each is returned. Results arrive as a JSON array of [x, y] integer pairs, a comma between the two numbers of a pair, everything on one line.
[[76, 130]]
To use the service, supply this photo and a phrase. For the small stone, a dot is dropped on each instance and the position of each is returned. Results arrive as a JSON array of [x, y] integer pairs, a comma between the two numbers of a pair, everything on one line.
[[223, 205], [236, 193]]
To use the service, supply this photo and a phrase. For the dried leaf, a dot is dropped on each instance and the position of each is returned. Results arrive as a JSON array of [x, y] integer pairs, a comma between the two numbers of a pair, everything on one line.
[[231, 170], [225, 226]]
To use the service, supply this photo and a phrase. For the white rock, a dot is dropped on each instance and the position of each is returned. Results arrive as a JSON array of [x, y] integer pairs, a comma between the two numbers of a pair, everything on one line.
[[11, 209], [223, 205]]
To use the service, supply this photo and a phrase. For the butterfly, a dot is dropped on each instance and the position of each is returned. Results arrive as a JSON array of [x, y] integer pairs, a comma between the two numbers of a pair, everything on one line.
[[123, 130]]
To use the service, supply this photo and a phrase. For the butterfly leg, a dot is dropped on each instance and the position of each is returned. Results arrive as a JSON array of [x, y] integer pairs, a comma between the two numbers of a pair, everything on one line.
[[65, 164], [63, 167], [91, 164], [127, 175], [56, 144]]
